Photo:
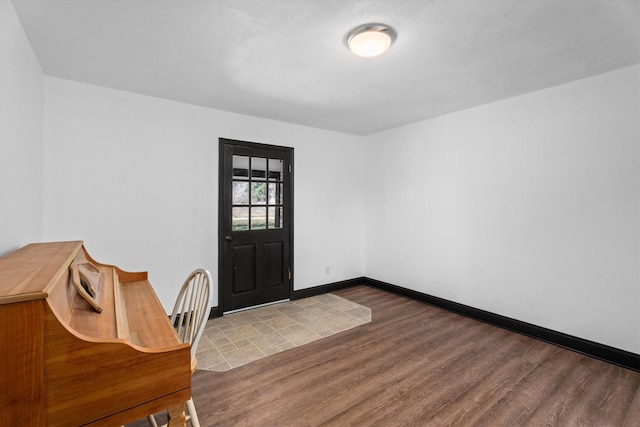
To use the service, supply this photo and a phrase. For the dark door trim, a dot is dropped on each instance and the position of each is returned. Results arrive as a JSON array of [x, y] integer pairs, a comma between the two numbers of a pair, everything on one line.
[[222, 142]]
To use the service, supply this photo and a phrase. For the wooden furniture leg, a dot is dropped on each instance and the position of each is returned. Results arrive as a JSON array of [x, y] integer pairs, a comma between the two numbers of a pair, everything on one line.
[[176, 416]]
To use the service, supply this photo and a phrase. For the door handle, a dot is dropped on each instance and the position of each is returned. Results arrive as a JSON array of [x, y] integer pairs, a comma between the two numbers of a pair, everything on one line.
[[228, 238]]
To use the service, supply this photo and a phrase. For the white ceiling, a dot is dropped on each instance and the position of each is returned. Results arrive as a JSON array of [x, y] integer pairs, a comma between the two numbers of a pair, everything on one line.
[[285, 59]]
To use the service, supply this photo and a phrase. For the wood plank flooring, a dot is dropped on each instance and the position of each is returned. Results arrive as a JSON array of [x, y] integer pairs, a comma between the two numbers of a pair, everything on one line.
[[418, 365]]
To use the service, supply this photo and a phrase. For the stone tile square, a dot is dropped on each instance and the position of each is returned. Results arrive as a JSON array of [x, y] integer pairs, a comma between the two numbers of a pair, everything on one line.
[[204, 344], [265, 341], [218, 322], [293, 328], [208, 358], [243, 343], [213, 334], [280, 322], [298, 317], [360, 312], [286, 346], [243, 318], [226, 348], [263, 328], [220, 341], [306, 301], [243, 356], [263, 312], [288, 309], [241, 333], [269, 315], [328, 298], [225, 326], [271, 350], [314, 313]]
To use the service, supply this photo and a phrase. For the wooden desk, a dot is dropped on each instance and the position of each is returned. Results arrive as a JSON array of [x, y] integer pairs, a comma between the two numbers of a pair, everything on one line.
[[62, 363]]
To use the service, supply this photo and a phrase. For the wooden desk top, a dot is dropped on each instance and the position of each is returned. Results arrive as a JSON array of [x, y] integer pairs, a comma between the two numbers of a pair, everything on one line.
[[23, 280]]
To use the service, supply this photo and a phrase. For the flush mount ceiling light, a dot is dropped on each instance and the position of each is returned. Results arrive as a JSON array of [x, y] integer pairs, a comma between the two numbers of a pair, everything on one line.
[[370, 39]]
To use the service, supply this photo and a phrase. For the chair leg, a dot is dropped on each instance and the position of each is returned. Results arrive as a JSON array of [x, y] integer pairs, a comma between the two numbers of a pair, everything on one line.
[[152, 421], [191, 409]]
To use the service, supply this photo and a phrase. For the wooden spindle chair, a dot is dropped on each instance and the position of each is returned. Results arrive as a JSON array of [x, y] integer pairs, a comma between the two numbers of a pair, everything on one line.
[[190, 314]]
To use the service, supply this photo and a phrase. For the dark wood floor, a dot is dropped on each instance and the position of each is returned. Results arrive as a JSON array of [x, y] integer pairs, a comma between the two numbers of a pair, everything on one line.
[[417, 365]]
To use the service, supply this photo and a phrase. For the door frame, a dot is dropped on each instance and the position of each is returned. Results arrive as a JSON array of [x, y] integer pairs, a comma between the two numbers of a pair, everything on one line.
[[222, 142]]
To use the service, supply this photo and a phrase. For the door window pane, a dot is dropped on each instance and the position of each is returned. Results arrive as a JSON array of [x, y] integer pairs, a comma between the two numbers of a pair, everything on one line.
[[258, 193], [240, 167], [258, 168], [258, 218], [275, 169], [239, 219], [275, 216], [273, 194], [240, 193]]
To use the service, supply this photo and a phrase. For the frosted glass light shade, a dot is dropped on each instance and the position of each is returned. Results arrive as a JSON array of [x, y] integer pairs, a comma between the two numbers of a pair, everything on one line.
[[370, 39]]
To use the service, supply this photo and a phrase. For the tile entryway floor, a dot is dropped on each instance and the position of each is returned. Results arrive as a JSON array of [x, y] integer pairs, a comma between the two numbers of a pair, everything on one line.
[[240, 338]]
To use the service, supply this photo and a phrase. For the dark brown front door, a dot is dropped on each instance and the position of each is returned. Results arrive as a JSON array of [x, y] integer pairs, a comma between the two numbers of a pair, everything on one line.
[[255, 209]]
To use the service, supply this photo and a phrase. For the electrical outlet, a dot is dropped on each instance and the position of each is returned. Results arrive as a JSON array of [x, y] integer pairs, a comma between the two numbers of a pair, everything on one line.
[[327, 270]]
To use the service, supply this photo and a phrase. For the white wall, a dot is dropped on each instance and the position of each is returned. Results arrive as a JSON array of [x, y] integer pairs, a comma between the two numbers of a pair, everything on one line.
[[136, 178], [21, 139], [527, 207]]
